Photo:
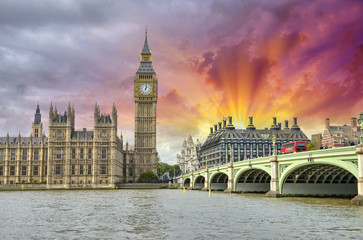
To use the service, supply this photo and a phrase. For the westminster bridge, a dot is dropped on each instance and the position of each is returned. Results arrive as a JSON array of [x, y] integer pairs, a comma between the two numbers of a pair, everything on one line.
[[334, 172]]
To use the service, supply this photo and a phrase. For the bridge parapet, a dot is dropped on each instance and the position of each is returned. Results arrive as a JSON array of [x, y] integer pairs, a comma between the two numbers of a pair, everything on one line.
[[283, 174]]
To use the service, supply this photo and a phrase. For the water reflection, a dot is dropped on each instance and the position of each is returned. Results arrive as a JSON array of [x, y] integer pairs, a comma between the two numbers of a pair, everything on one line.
[[169, 214]]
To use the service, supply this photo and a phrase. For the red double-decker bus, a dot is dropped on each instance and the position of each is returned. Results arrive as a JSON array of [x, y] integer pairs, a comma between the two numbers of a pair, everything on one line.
[[293, 147]]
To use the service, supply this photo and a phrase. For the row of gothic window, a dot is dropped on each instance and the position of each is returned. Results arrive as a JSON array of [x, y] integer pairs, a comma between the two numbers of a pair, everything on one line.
[[145, 76], [24, 155]]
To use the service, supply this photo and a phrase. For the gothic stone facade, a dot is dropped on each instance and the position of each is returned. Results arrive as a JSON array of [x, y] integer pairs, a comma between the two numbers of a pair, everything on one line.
[[188, 157], [225, 143], [86, 158], [145, 96], [68, 158]]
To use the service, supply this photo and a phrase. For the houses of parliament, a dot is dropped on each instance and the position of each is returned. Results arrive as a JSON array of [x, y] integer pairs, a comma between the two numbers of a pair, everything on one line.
[[86, 158]]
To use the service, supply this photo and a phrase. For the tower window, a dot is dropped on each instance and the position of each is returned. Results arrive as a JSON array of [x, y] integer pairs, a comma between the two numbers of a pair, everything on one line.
[[25, 155], [103, 169], [36, 155], [35, 171], [12, 170], [58, 169], [1, 155], [103, 153], [23, 170], [81, 154], [36, 133], [90, 153], [73, 169], [58, 153], [73, 153]]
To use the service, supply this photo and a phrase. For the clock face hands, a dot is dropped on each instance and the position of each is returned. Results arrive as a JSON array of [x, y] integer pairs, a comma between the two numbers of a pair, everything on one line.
[[145, 88]]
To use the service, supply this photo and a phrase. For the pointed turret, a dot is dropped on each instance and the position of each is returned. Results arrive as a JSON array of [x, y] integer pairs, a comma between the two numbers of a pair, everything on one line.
[[114, 114], [145, 58], [145, 49], [55, 111], [72, 117], [37, 116], [122, 142], [19, 138], [96, 114], [51, 112]]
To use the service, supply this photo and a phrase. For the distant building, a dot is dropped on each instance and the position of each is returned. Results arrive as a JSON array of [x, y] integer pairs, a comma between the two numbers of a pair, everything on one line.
[[316, 140], [188, 157], [340, 136], [225, 143]]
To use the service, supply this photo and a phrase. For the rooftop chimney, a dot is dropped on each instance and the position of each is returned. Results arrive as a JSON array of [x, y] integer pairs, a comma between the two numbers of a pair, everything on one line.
[[215, 127], [280, 125], [353, 124], [224, 123], [230, 125], [327, 123], [250, 126], [211, 130], [274, 124], [219, 125], [286, 123], [295, 126]]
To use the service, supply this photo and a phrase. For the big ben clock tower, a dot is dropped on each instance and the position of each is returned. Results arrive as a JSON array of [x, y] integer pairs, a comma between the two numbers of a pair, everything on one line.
[[146, 95]]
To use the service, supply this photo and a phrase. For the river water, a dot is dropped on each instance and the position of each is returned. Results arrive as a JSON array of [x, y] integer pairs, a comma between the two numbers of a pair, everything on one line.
[[169, 214]]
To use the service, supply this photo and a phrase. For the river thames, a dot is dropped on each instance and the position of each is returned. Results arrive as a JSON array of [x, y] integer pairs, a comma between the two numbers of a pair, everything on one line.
[[169, 214]]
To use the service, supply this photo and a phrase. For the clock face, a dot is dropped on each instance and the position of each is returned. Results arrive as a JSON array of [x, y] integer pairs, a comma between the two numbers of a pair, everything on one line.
[[145, 88]]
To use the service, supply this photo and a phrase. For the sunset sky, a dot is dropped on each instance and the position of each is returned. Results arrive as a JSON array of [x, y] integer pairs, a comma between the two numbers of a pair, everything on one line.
[[212, 58]]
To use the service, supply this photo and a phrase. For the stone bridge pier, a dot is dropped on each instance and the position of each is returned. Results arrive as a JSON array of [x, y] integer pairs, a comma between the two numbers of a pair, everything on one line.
[[274, 183], [358, 200], [230, 187], [206, 177], [191, 182]]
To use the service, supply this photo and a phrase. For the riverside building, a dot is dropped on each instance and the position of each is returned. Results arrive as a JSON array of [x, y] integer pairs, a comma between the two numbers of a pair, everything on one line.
[[86, 158], [225, 143], [188, 157]]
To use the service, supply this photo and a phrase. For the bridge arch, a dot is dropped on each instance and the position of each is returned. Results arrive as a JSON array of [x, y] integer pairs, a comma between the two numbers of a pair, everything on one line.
[[218, 181], [319, 178], [256, 179], [186, 182], [199, 182]]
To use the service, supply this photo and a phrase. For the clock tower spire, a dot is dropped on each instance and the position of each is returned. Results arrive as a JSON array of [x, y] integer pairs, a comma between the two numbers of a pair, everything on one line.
[[145, 95]]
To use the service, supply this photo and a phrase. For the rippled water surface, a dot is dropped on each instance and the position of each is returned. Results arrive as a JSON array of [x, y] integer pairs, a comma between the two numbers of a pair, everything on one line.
[[169, 214]]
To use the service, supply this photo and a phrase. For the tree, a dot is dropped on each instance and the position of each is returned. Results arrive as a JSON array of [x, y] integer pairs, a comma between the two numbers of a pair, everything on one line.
[[175, 170], [148, 177], [162, 168], [310, 147]]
